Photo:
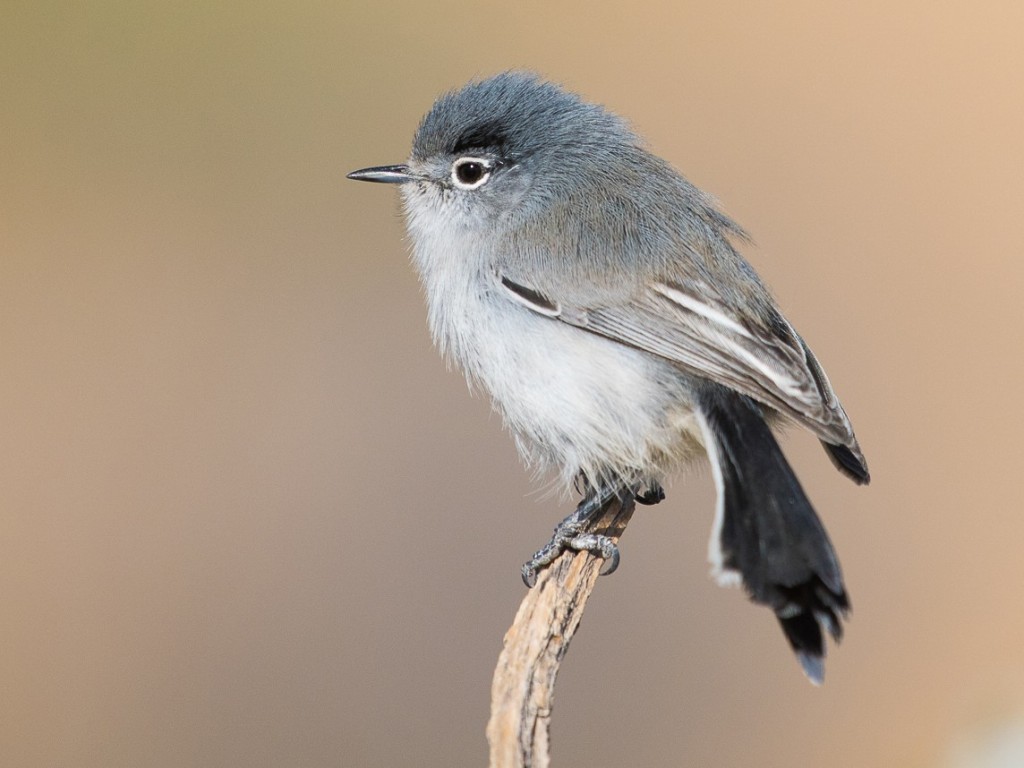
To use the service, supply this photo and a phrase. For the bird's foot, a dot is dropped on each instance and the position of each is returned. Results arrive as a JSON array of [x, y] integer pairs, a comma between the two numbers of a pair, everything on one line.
[[574, 533], [571, 538]]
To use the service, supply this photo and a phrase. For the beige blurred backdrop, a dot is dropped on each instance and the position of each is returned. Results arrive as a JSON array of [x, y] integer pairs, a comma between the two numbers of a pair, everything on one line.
[[249, 518]]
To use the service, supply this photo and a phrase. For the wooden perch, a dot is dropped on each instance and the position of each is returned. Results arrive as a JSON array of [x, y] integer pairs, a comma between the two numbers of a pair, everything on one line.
[[522, 693]]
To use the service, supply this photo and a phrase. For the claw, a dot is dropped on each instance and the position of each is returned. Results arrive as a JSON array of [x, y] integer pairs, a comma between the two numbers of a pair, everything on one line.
[[653, 495], [529, 576], [611, 562]]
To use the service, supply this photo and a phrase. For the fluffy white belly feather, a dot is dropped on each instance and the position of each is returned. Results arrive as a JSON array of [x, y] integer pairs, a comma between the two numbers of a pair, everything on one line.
[[576, 402]]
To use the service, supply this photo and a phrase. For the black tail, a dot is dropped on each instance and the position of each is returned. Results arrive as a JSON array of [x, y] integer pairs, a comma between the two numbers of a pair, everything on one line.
[[767, 534]]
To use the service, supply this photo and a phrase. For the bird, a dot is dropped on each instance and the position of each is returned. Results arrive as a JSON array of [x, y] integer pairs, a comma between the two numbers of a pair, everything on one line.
[[602, 301]]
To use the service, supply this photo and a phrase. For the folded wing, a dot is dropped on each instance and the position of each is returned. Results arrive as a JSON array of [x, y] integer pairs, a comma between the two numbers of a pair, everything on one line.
[[697, 330]]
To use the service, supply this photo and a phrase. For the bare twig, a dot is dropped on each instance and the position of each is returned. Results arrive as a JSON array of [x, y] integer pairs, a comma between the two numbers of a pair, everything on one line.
[[522, 694]]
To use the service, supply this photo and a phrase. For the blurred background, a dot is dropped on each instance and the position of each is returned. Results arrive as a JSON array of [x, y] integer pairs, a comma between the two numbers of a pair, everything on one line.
[[248, 516]]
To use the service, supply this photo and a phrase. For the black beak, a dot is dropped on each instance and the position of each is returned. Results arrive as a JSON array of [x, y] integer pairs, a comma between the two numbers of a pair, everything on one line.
[[384, 174]]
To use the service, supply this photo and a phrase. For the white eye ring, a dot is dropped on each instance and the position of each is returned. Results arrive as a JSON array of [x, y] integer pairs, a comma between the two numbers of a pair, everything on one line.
[[471, 172]]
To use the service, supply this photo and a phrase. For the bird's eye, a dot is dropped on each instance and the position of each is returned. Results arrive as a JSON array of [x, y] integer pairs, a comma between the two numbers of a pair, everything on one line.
[[470, 172]]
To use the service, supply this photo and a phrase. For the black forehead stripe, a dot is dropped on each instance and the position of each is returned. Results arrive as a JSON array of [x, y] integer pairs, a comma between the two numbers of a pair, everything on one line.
[[480, 136]]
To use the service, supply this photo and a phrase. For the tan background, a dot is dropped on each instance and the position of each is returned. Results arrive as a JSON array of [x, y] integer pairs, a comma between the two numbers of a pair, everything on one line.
[[249, 519]]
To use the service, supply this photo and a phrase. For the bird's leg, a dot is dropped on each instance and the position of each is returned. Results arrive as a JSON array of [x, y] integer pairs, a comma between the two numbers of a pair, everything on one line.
[[572, 532]]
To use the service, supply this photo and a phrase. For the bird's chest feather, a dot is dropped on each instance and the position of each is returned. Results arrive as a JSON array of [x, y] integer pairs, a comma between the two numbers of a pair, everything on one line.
[[572, 398]]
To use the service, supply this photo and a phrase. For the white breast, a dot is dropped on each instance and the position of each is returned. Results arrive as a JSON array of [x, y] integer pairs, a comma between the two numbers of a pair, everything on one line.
[[576, 402]]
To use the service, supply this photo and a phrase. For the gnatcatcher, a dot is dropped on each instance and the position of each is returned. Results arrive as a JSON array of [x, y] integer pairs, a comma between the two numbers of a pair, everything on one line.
[[597, 296]]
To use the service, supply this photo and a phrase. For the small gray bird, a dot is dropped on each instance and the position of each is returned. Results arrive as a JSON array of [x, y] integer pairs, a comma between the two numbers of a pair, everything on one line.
[[597, 296]]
